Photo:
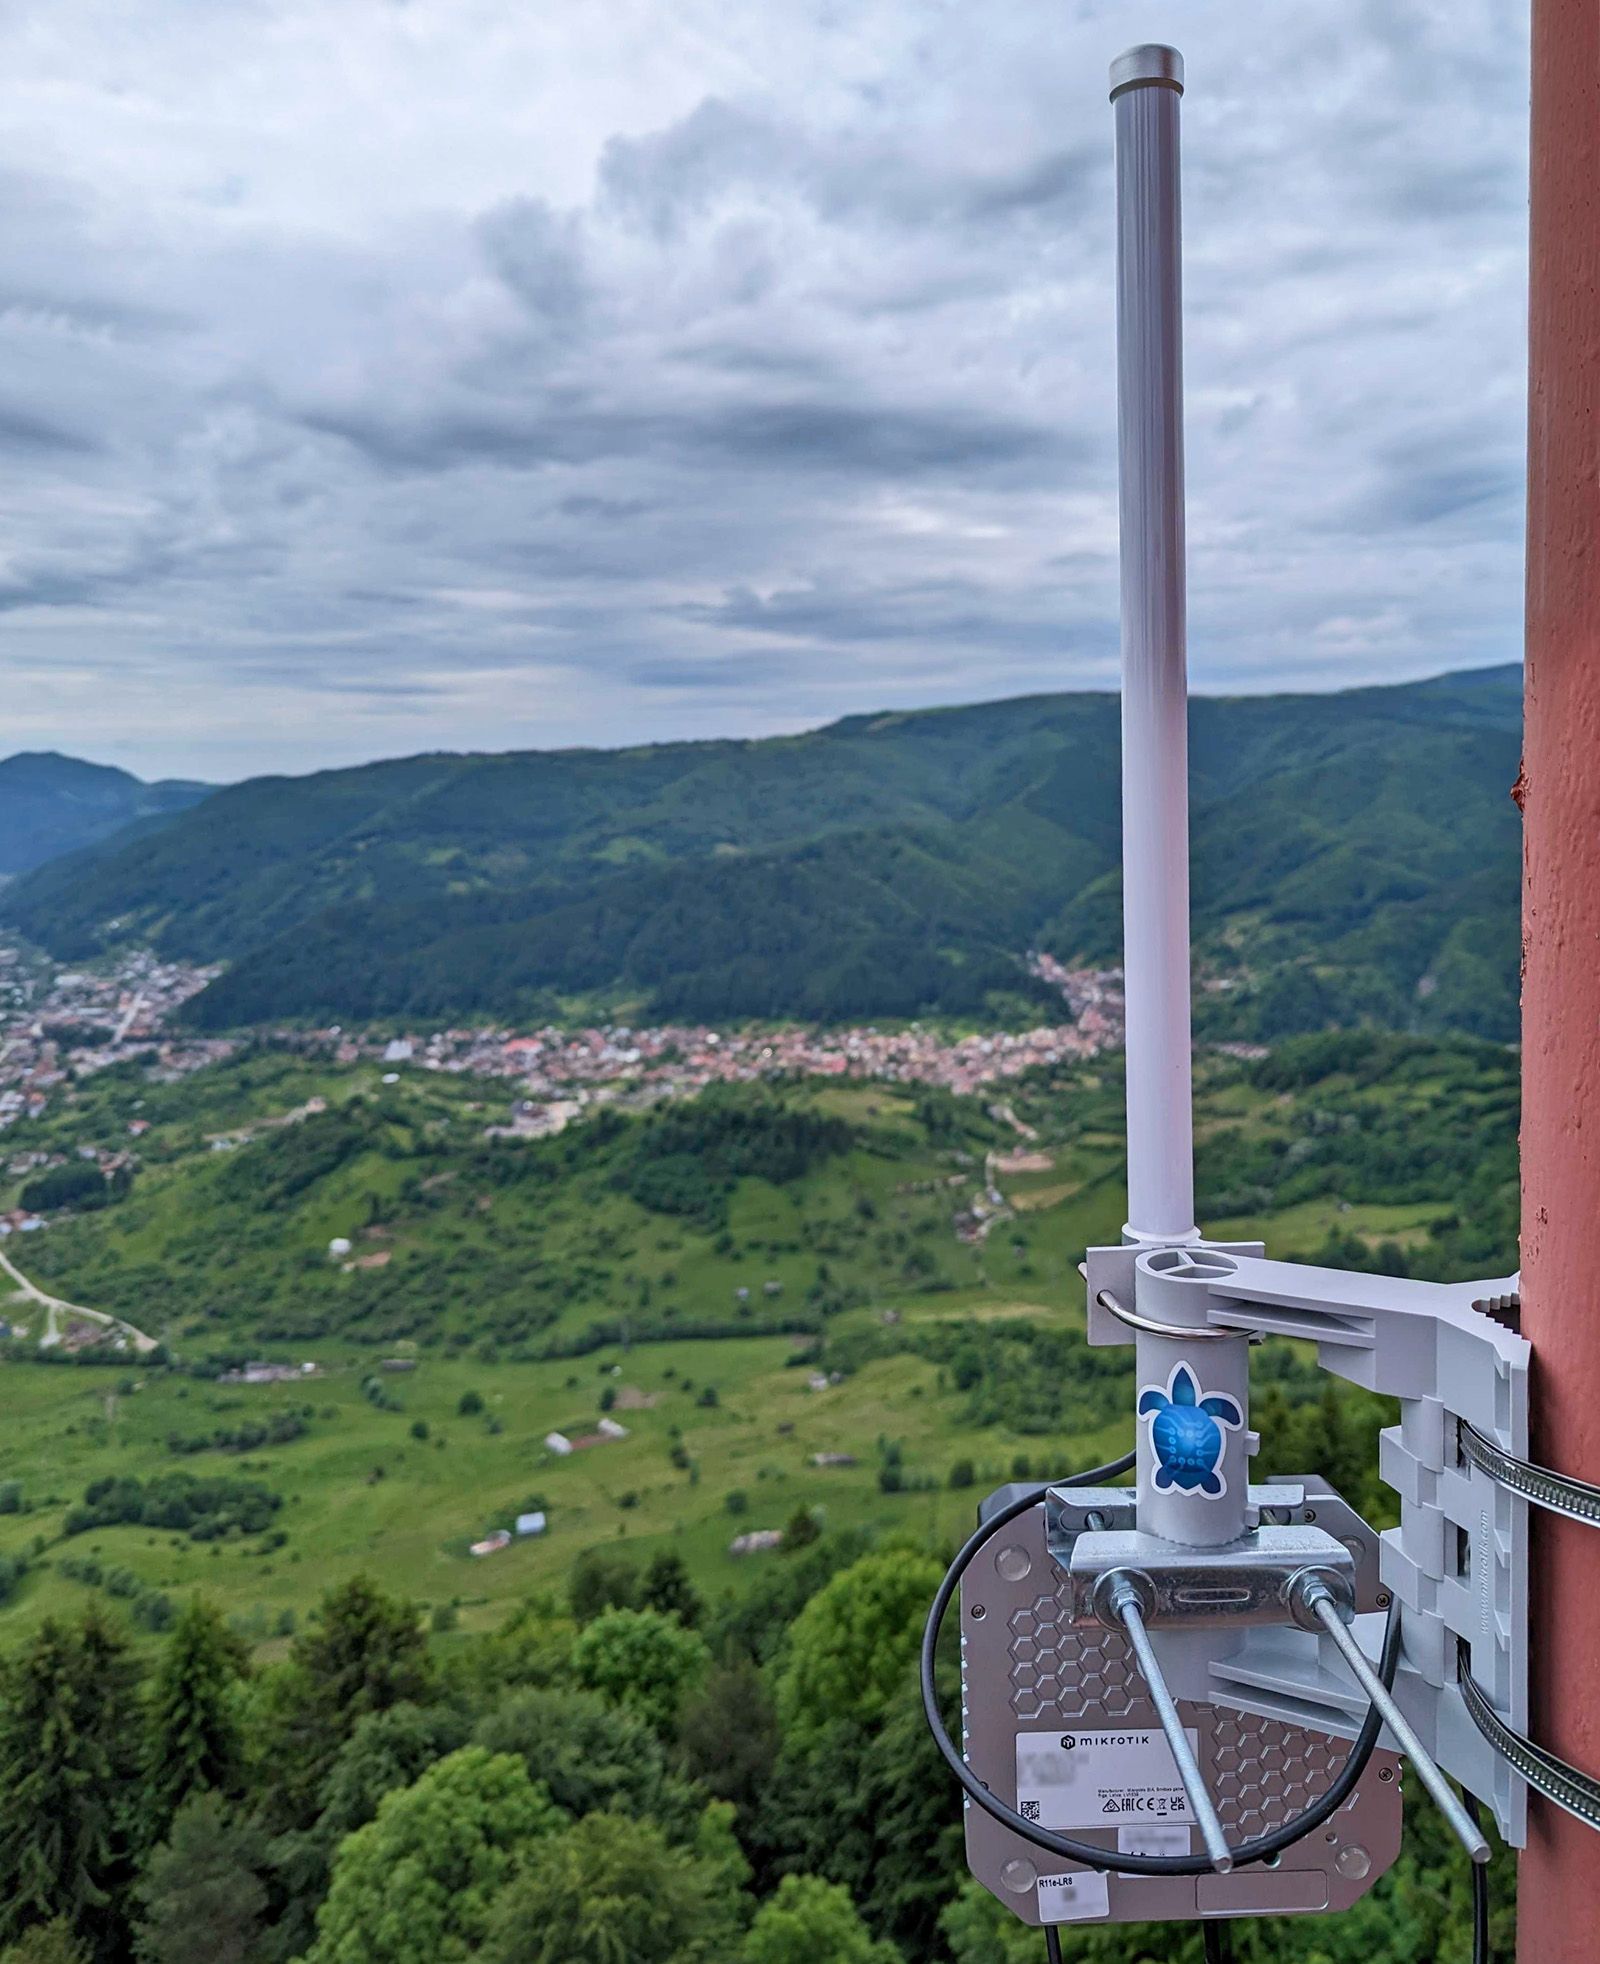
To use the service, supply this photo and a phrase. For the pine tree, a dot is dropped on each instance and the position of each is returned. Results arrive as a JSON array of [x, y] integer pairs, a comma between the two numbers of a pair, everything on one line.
[[194, 1739], [1272, 1418], [366, 1653], [667, 1588], [47, 1943], [728, 1734], [69, 1784], [203, 1898]]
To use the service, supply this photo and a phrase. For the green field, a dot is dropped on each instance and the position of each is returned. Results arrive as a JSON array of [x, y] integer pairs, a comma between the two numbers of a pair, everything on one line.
[[604, 1268], [362, 1493]]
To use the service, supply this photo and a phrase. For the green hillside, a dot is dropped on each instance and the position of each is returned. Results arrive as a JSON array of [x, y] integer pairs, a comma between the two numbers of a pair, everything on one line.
[[687, 1269], [739, 1287], [887, 865], [50, 805]]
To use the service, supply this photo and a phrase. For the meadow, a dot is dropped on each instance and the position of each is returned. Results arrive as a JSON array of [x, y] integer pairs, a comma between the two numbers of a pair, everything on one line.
[[629, 1268]]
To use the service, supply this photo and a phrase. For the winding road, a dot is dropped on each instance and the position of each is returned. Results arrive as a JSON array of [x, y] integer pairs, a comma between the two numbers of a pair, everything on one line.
[[54, 1307]]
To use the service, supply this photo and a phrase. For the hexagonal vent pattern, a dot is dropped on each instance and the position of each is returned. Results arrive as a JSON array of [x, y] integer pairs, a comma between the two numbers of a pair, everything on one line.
[[1058, 1672], [1260, 1771]]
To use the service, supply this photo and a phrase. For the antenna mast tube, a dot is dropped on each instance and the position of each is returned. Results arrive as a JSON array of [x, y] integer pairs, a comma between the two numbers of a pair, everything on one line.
[[1146, 85]]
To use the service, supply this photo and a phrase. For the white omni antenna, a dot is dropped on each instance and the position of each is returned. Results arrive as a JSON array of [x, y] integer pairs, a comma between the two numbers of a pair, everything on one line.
[[1146, 84]]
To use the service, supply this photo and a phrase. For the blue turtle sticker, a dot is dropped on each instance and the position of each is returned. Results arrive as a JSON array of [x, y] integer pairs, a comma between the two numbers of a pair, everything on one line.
[[1186, 1432]]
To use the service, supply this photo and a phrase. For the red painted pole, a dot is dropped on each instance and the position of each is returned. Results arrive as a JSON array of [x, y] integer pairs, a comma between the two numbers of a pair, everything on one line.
[[1559, 1875]]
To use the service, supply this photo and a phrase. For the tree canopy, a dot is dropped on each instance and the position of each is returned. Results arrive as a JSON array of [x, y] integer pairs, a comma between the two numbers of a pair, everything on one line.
[[610, 1890], [202, 1896], [419, 1884], [643, 1661], [812, 1922], [850, 1644]]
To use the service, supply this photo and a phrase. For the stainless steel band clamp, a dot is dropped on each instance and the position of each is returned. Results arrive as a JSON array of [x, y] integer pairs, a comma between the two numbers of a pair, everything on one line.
[[1554, 1778], [1557, 1493], [1575, 1500]]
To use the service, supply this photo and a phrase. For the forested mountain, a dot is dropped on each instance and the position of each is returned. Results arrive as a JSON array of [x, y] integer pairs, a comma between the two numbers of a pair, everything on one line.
[[1355, 859], [51, 805]]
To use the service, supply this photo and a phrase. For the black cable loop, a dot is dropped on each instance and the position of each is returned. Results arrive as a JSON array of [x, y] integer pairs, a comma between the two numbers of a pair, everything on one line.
[[1109, 1860], [1480, 1892]]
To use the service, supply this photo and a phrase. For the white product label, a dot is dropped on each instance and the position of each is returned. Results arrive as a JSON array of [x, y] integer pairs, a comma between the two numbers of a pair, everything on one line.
[[1153, 1838], [1099, 1779], [1067, 1898]]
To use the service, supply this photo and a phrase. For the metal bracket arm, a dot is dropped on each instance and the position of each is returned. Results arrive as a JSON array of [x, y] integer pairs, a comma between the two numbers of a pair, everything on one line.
[[1458, 1562], [1205, 1588]]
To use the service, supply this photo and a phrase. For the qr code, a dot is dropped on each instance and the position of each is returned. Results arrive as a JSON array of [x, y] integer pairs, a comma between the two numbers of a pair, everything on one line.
[[1029, 1810]]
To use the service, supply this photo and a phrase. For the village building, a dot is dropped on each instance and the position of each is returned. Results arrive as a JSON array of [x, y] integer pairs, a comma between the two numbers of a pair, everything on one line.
[[761, 1542]]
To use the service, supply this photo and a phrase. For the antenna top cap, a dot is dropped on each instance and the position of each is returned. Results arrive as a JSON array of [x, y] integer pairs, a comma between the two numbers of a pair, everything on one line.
[[1150, 62]]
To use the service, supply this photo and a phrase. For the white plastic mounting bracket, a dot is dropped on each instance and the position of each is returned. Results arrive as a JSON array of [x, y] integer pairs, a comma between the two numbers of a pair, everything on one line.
[[1458, 1562]]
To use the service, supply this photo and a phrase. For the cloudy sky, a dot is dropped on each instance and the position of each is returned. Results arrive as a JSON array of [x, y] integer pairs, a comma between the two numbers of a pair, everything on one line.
[[388, 375]]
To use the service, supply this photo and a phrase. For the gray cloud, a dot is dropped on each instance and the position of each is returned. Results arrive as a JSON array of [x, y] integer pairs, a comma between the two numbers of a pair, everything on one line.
[[879, 441], [21, 430], [449, 375]]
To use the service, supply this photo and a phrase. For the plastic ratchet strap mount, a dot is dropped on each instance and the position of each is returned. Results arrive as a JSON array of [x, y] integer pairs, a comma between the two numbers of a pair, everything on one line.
[[1576, 1499], [1577, 1792]]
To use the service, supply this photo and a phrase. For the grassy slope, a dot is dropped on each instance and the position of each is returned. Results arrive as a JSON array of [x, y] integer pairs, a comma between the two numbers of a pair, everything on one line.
[[413, 1525], [883, 1202]]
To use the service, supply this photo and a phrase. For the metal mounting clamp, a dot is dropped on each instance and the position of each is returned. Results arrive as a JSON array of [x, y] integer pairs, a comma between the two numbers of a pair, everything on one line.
[[1319, 1595], [1122, 1604], [1181, 1332], [1458, 1562], [1578, 1793], [1558, 1493]]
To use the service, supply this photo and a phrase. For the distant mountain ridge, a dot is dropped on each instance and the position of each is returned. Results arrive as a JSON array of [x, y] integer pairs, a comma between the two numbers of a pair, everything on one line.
[[1355, 859], [50, 805]]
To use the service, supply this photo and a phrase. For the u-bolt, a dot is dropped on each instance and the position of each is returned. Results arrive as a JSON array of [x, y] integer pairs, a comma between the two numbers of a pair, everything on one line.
[[1315, 1602], [1121, 1601]]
